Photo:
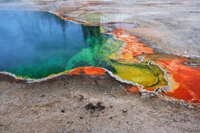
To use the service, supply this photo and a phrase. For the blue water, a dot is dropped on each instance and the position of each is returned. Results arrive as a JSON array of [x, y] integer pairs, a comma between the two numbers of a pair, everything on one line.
[[37, 44]]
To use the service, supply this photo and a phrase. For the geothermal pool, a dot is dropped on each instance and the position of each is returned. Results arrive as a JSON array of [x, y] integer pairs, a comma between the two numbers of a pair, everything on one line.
[[37, 44]]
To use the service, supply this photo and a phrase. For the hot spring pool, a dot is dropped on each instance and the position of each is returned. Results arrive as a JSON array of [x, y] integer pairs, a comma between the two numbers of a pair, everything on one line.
[[37, 44]]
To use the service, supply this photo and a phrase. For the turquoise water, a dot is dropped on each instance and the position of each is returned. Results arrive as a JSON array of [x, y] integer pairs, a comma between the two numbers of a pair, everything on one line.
[[37, 44]]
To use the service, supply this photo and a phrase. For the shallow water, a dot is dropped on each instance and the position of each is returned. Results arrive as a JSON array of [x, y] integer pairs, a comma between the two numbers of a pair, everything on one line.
[[38, 44]]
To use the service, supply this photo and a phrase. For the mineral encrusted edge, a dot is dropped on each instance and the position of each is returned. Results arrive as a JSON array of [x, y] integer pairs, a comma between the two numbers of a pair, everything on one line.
[[54, 76]]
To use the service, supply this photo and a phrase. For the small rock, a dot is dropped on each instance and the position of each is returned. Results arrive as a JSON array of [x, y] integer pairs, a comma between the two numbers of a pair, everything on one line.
[[42, 96], [100, 107], [81, 97], [125, 110], [111, 95], [92, 107]]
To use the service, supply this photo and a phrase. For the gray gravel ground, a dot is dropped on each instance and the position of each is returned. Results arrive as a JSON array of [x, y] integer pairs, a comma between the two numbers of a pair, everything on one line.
[[89, 104]]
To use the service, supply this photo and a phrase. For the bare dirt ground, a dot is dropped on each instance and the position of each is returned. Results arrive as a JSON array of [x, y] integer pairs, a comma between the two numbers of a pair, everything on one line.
[[89, 104], [100, 104]]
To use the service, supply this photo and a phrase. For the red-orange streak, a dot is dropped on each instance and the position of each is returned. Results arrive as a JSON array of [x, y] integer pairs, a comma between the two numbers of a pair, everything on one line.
[[72, 19], [88, 71], [188, 79], [133, 47], [133, 89]]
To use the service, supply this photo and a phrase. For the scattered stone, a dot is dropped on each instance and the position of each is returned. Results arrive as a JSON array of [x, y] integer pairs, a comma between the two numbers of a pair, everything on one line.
[[111, 95], [47, 105], [81, 97], [92, 107], [148, 94], [96, 83], [125, 110], [100, 107], [140, 93], [70, 122], [42, 96]]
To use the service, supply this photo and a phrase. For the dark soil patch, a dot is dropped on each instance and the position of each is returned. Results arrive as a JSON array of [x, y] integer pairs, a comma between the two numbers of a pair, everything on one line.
[[92, 107]]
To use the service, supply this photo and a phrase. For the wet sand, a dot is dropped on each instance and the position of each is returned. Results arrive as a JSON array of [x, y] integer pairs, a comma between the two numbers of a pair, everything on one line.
[[63, 104]]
